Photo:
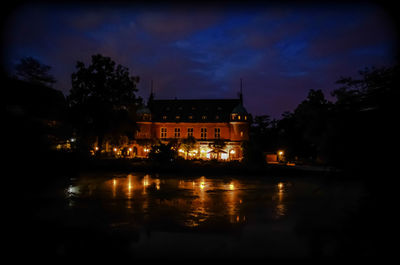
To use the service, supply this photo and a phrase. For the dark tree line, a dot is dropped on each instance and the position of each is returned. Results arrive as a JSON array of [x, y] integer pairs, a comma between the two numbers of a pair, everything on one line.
[[39, 119], [357, 130], [102, 102]]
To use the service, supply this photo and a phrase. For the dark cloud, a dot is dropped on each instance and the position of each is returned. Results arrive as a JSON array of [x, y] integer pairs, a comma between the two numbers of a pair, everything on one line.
[[176, 23], [280, 52]]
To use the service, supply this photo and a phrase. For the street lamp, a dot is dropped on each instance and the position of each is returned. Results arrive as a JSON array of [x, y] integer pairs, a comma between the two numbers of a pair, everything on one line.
[[280, 155]]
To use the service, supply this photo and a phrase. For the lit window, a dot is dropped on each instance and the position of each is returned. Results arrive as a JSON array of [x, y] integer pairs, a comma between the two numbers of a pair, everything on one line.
[[177, 132], [245, 117], [177, 117], [190, 117], [239, 117], [217, 133], [190, 132], [204, 117], [164, 117], [163, 133], [203, 133], [241, 133]]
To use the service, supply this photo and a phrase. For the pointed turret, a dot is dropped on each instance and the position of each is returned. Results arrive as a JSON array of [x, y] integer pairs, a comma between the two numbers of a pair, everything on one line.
[[241, 92], [151, 97]]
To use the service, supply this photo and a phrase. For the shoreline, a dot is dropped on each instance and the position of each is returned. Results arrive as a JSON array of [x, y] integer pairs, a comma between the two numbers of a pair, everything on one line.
[[194, 168]]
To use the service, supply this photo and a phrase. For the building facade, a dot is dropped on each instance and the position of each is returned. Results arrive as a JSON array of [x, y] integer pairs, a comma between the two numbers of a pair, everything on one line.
[[219, 127]]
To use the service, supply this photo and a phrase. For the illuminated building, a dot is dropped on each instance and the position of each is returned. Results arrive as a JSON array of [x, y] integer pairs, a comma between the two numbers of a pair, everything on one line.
[[207, 120]]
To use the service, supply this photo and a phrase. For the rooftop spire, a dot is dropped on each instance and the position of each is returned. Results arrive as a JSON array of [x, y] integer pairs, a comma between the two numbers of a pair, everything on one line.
[[241, 93], [151, 97]]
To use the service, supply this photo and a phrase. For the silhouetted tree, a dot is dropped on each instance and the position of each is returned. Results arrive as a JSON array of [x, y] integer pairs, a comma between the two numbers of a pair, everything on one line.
[[264, 131], [162, 154], [261, 123], [217, 146], [253, 154], [188, 144], [102, 99], [310, 122], [31, 70], [362, 129]]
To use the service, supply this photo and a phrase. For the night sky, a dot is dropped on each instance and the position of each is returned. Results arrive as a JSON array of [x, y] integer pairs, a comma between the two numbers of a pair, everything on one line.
[[280, 51]]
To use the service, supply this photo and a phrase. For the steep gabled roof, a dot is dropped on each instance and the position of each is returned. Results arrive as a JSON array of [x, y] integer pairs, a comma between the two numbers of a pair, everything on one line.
[[193, 110]]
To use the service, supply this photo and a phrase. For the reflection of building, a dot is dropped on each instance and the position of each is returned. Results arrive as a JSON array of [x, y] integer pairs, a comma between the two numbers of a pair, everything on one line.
[[207, 120]]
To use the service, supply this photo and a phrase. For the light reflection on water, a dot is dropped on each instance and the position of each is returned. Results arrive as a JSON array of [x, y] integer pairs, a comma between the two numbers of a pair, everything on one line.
[[280, 206], [192, 201], [249, 216]]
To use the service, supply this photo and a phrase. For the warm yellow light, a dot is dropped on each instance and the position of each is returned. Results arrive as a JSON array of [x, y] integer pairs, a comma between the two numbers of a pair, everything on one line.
[[115, 149], [280, 153], [231, 186], [202, 185], [96, 148], [280, 185], [146, 181], [232, 152], [130, 149], [157, 184], [181, 150]]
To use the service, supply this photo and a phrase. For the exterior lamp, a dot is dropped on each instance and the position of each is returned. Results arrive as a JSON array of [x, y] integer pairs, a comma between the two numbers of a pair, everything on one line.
[[115, 149], [280, 156]]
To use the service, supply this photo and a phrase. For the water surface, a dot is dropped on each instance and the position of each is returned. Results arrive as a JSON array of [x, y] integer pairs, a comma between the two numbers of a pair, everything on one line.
[[146, 217]]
